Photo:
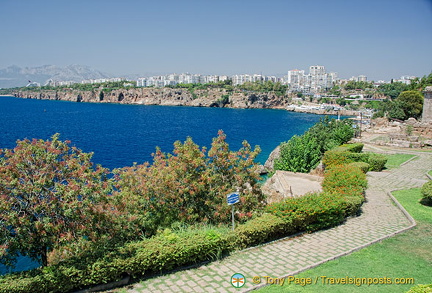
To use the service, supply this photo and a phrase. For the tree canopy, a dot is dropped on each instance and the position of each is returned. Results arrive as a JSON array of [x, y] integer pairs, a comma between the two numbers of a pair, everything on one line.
[[303, 153], [420, 84], [392, 90], [410, 103], [50, 193], [190, 185]]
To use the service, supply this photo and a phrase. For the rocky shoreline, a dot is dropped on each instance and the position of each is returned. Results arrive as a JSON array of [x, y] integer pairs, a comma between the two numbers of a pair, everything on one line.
[[164, 97], [214, 97]]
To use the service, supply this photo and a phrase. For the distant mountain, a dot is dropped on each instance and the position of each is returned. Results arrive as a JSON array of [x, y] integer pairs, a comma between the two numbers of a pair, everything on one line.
[[15, 76]]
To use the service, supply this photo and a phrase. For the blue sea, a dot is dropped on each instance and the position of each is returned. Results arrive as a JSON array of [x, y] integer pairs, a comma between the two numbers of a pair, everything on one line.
[[120, 135]]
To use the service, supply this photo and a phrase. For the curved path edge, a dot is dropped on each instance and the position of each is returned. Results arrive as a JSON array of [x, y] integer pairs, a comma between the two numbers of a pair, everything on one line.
[[403, 210]]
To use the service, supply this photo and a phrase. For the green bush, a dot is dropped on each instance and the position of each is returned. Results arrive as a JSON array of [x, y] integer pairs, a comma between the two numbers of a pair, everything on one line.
[[259, 230], [376, 162], [351, 147], [426, 191], [339, 156], [302, 153], [299, 154], [352, 205], [310, 212]]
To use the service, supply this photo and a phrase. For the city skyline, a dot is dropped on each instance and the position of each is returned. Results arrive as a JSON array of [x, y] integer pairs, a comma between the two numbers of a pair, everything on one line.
[[380, 39]]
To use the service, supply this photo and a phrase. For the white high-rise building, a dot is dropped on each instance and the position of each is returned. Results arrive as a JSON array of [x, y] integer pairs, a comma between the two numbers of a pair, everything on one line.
[[362, 78], [316, 81], [296, 80], [317, 70]]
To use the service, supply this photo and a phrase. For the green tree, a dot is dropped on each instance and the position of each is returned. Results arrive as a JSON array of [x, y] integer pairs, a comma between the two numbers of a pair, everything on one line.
[[50, 194], [302, 153], [393, 89], [341, 101], [420, 84], [299, 154], [336, 90], [357, 85], [411, 103], [330, 133]]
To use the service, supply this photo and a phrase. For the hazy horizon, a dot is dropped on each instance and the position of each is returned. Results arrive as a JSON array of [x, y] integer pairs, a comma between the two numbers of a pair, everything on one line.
[[380, 39]]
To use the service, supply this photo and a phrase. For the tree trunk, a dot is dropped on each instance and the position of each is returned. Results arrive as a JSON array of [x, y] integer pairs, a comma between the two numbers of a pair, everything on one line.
[[44, 256]]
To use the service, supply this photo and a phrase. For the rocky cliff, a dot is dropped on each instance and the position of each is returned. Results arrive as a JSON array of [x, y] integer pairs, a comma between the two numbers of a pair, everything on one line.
[[164, 96]]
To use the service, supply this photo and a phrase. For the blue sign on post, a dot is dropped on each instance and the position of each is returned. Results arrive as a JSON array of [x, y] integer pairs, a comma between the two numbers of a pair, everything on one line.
[[233, 198]]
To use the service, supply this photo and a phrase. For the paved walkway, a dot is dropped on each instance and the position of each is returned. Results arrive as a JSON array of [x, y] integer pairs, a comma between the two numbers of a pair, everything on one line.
[[380, 219]]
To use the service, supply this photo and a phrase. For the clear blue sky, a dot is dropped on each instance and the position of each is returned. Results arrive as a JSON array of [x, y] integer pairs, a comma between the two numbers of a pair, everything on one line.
[[382, 39]]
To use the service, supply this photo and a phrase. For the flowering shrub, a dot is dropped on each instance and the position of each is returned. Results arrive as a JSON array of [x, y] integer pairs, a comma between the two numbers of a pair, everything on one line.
[[344, 180], [50, 195], [336, 157], [190, 185]]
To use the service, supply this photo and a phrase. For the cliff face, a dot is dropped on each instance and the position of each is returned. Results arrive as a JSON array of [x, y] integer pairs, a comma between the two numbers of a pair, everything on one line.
[[165, 97]]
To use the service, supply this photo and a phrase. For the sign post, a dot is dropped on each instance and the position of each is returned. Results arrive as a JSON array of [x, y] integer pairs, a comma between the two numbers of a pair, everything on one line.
[[232, 199]]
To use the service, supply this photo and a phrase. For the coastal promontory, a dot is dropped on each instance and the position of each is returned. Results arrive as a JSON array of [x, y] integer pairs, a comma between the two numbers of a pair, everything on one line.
[[210, 97]]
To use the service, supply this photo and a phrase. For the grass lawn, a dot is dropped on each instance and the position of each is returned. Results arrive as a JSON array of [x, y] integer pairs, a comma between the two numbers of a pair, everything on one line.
[[395, 160], [406, 255], [430, 172]]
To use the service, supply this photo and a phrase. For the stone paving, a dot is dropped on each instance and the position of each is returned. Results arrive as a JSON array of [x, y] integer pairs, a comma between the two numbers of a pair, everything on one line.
[[381, 218]]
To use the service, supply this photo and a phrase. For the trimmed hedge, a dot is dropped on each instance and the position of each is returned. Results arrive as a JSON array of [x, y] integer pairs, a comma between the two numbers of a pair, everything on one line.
[[340, 156], [262, 229], [426, 191], [344, 180], [336, 157], [376, 162], [364, 167], [311, 212], [160, 253], [350, 147]]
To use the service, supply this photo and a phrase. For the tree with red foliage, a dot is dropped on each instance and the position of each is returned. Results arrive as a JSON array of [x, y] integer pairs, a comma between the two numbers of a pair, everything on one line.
[[50, 194], [189, 186]]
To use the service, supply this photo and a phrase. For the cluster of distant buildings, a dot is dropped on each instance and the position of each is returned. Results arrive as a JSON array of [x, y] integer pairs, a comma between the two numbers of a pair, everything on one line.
[[315, 81], [51, 82], [174, 79]]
